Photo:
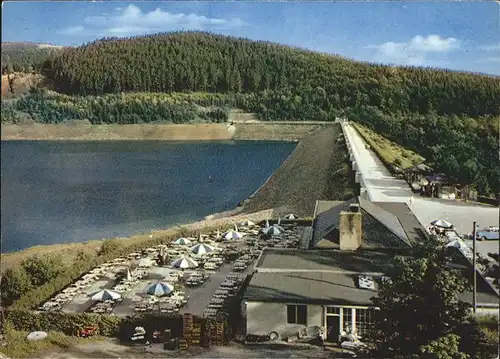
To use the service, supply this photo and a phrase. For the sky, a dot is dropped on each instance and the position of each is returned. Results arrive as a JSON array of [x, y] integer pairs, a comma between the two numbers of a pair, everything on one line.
[[454, 35]]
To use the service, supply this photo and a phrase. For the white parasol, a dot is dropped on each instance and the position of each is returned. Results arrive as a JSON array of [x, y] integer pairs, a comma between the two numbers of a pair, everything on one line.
[[247, 223], [231, 235], [182, 241], [106, 294], [201, 249], [33, 336], [442, 223], [184, 263]]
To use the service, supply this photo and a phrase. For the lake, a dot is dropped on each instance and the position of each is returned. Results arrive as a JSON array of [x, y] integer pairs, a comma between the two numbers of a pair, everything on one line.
[[72, 191]]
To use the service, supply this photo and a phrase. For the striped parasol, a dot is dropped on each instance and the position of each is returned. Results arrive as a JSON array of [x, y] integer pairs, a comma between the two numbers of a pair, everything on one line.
[[184, 263], [160, 289]]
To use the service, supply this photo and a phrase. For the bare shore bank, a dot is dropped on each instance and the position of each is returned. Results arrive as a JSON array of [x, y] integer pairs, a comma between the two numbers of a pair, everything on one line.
[[84, 130]]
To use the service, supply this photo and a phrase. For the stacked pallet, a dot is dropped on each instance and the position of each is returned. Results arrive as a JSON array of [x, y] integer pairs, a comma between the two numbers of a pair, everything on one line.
[[219, 339], [196, 333], [187, 327], [212, 331]]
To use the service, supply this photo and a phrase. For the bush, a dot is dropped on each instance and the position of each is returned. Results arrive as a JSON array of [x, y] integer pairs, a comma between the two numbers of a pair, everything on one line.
[[14, 284], [108, 246], [40, 270]]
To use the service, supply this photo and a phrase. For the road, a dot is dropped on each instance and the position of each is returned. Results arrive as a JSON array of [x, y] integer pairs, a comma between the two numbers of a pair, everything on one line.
[[382, 187]]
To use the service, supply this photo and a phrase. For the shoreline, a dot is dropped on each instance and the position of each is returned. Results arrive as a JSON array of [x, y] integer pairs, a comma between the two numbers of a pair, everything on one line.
[[221, 219], [81, 130]]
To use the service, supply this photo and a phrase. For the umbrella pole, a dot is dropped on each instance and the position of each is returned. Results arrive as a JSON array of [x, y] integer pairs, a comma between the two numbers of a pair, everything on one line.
[[474, 303]]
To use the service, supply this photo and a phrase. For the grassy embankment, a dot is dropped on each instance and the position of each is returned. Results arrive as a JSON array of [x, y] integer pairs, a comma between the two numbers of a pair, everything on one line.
[[17, 346], [317, 169], [389, 152]]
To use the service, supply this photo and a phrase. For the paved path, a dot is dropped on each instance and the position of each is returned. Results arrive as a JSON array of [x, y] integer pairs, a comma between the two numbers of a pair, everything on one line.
[[382, 187]]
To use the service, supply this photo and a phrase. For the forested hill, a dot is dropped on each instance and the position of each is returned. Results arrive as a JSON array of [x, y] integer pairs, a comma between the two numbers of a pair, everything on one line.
[[25, 56], [194, 61]]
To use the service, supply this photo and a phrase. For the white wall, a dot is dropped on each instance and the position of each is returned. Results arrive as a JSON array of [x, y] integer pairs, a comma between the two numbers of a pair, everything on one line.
[[263, 318], [487, 311]]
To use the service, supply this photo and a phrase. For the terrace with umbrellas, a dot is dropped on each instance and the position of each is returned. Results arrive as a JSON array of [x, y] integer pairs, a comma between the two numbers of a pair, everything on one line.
[[188, 275]]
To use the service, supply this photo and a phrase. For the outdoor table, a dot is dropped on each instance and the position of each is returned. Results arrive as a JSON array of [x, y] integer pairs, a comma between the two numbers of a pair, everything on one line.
[[217, 306], [216, 301]]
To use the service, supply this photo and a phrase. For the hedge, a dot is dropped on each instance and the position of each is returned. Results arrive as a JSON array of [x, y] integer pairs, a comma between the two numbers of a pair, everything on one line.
[[107, 325], [67, 323]]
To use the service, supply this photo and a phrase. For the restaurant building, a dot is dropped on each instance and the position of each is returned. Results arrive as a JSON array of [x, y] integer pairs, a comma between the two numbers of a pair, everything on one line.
[[327, 288]]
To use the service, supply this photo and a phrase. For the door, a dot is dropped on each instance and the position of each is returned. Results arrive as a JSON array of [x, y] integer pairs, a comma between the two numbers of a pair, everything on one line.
[[332, 328]]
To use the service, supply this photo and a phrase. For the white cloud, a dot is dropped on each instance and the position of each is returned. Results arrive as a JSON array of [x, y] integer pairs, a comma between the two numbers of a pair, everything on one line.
[[492, 47], [414, 51], [132, 21]]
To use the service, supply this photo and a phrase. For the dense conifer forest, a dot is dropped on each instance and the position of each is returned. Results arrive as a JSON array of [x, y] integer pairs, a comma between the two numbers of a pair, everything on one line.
[[204, 62], [25, 56], [451, 118]]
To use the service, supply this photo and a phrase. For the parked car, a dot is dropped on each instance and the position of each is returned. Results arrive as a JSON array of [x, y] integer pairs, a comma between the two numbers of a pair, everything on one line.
[[490, 233]]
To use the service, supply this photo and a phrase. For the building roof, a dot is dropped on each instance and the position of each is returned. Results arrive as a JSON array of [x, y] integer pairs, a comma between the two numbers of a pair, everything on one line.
[[411, 225], [333, 261], [329, 276], [307, 287], [381, 229]]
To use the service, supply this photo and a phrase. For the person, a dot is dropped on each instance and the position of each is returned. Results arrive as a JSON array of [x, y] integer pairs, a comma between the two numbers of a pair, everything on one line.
[[411, 200]]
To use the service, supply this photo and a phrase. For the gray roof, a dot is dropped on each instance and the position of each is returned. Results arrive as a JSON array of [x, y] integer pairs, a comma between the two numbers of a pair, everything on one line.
[[361, 261], [387, 219], [307, 287], [323, 206], [328, 276], [380, 228], [411, 225], [327, 288]]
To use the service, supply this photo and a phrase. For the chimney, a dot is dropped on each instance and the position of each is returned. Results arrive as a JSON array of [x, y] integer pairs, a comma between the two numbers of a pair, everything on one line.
[[350, 228]]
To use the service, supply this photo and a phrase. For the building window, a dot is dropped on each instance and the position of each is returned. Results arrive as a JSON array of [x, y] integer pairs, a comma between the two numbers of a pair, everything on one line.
[[333, 310], [347, 319], [365, 320], [296, 314]]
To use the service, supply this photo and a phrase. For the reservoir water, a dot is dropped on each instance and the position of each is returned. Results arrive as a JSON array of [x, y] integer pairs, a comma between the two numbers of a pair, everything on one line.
[[58, 191]]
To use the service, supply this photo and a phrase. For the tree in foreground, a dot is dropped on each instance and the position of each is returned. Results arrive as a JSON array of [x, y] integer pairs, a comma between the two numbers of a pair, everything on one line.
[[420, 314]]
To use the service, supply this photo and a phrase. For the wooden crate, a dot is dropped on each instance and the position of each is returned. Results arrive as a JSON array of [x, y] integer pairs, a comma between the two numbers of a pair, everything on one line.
[[187, 327]]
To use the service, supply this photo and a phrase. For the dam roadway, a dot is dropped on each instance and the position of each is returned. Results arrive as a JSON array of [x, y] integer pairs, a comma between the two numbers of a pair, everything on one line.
[[379, 186]]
